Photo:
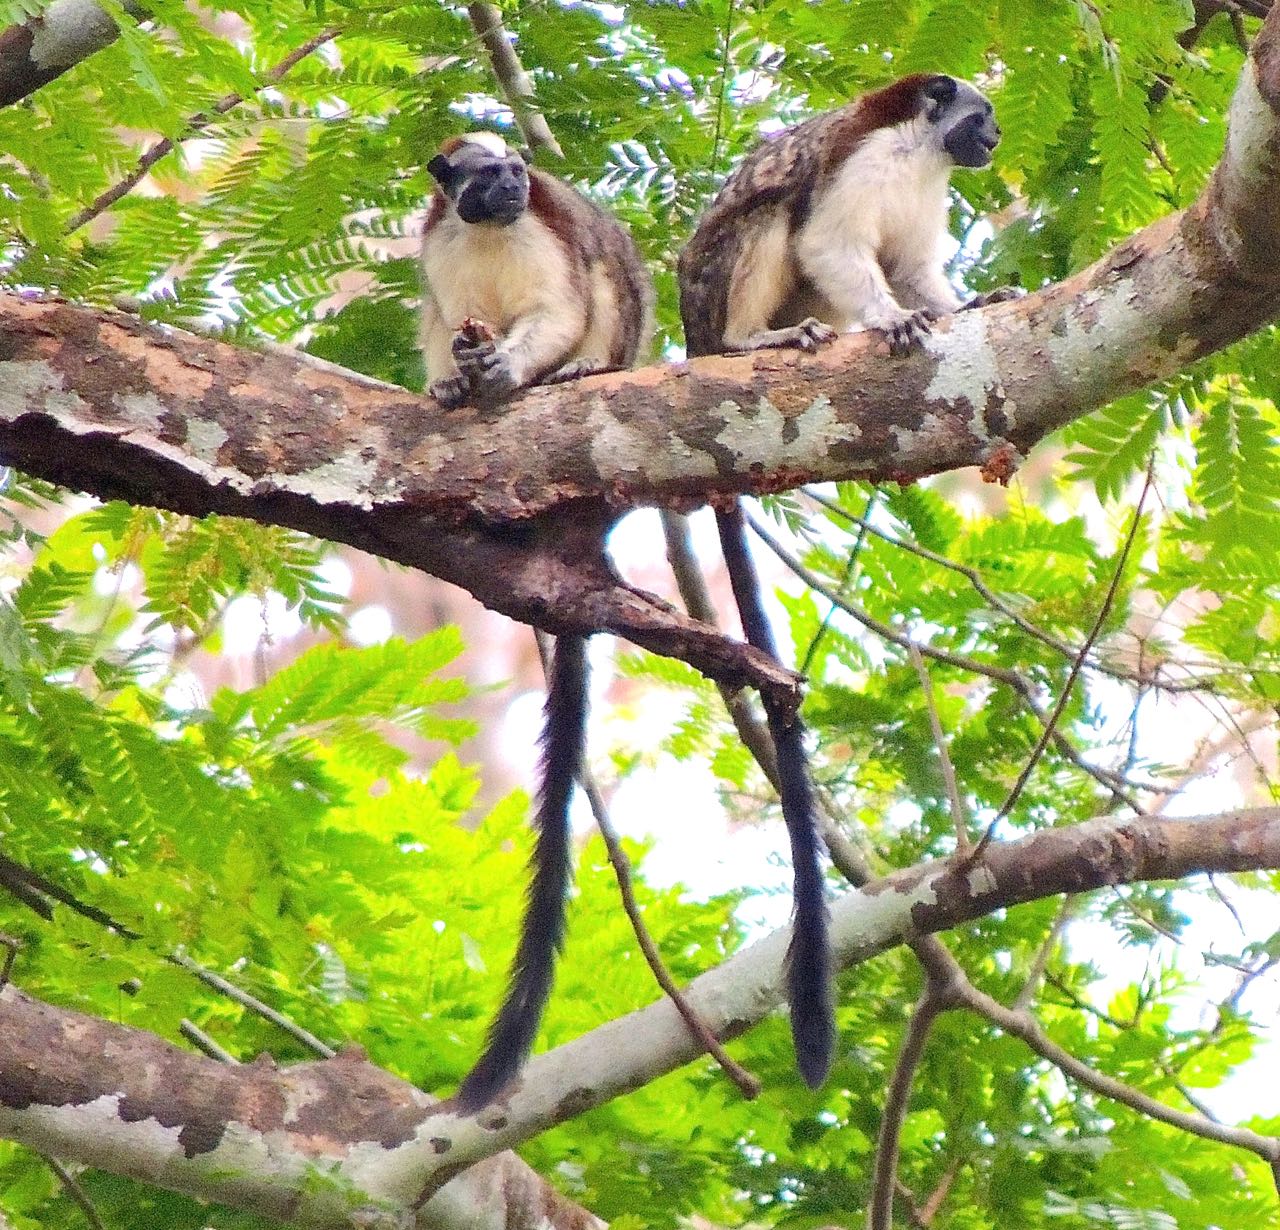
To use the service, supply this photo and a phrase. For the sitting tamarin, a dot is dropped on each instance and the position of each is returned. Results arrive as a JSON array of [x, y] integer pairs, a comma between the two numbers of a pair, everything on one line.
[[835, 224], [527, 282]]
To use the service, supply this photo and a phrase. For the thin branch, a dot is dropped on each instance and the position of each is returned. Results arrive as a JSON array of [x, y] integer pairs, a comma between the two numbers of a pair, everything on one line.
[[11, 944], [245, 1000], [1116, 785], [959, 817], [723, 90], [1064, 695], [203, 1042], [929, 1210], [996, 602], [1040, 962], [486, 20], [196, 124], [73, 1189], [934, 999], [1023, 1026], [748, 1085], [855, 554]]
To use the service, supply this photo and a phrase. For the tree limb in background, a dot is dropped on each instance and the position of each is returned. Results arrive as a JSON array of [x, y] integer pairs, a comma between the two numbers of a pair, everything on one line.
[[41, 49], [252, 1136], [486, 20]]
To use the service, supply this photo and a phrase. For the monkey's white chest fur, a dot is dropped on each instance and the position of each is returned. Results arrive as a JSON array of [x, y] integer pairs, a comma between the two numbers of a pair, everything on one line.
[[892, 194], [495, 274]]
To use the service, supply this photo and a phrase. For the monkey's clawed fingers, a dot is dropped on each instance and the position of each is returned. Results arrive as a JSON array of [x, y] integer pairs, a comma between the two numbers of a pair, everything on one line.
[[812, 333], [907, 332], [450, 391], [487, 368]]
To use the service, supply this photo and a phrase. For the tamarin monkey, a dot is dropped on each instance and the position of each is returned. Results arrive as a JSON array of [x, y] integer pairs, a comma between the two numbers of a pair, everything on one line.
[[527, 282], [835, 224]]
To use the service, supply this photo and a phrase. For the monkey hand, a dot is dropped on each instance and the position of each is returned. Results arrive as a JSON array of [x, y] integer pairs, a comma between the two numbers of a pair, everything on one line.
[[1002, 294], [489, 370], [451, 391], [905, 330]]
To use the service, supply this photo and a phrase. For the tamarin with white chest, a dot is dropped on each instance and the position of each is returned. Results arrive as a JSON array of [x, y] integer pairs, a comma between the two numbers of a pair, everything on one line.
[[836, 224], [527, 282]]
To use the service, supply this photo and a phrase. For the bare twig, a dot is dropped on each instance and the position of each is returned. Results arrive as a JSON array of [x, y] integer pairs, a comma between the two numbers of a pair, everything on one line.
[[1116, 785], [196, 124], [929, 1210], [11, 944], [748, 1085], [1040, 962], [1065, 694], [35, 891], [855, 554], [959, 818], [1023, 1026], [486, 20], [73, 1189], [997, 603], [245, 1000], [202, 1041], [934, 999]]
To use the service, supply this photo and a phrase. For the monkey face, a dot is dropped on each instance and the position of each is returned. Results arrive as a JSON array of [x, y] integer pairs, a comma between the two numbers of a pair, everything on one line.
[[971, 139], [496, 192], [965, 120], [487, 185]]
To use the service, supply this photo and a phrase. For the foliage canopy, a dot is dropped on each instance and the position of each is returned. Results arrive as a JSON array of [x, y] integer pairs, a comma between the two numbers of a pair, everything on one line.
[[273, 834]]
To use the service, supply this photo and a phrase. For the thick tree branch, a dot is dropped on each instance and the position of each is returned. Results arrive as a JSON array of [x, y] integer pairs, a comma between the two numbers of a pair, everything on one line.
[[104, 403], [253, 1136], [108, 405], [39, 50]]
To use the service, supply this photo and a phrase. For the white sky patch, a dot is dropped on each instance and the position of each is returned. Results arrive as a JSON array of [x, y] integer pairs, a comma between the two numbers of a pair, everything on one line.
[[370, 625]]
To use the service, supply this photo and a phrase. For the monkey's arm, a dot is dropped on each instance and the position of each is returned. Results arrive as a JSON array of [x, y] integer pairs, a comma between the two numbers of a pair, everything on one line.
[[538, 343], [924, 285], [447, 384]]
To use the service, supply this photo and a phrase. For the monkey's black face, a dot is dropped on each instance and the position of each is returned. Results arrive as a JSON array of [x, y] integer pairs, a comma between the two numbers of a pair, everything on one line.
[[971, 138], [485, 186], [496, 192], [966, 118]]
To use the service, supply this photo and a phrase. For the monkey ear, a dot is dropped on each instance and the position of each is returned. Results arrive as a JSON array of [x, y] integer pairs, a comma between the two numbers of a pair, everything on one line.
[[526, 155], [441, 170], [941, 93]]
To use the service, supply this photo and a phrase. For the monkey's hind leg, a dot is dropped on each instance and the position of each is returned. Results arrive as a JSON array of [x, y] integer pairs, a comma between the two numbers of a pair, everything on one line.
[[578, 368], [542, 933], [808, 965]]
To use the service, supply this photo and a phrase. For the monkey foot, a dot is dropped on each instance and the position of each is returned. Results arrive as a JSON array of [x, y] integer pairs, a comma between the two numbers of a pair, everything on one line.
[[576, 370], [1002, 294], [808, 335], [450, 391], [906, 332]]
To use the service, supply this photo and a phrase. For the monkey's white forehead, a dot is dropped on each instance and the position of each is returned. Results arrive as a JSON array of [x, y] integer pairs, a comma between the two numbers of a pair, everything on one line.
[[490, 141]]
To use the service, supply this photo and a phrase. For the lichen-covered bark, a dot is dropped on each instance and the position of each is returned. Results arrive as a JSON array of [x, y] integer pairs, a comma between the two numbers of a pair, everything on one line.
[[258, 1137], [37, 51], [509, 503]]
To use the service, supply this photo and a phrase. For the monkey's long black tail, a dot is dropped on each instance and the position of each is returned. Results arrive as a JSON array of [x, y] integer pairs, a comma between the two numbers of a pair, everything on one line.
[[809, 954], [542, 933]]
